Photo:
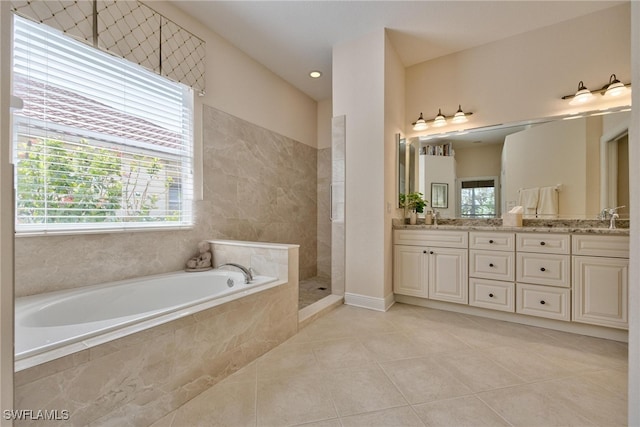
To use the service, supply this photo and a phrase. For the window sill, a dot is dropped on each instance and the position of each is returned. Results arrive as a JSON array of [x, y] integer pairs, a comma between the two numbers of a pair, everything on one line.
[[114, 230]]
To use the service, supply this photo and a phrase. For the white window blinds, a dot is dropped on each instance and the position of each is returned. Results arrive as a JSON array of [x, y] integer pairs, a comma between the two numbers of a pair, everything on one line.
[[100, 143]]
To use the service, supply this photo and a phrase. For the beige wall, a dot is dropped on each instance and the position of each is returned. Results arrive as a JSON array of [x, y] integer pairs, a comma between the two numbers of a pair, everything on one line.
[[522, 77], [325, 113], [546, 155], [246, 89], [478, 160], [394, 98], [358, 93]]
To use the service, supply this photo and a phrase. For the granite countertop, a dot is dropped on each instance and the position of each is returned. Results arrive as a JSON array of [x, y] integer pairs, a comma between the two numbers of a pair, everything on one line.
[[575, 226]]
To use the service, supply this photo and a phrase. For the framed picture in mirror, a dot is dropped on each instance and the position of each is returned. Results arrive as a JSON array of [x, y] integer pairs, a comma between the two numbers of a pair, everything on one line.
[[439, 195]]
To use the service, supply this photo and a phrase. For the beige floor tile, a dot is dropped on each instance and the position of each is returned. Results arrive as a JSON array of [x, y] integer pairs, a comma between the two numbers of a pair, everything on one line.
[[434, 341], [574, 358], [423, 380], [360, 367], [226, 403], [392, 346], [287, 359], [564, 402], [476, 336], [356, 391], [526, 365], [596, 403], [615, 381], [341, 353], [460, 412], [476, 371], [165, 421], [248, 373], [293, 399], [403, 416], [325, 423]]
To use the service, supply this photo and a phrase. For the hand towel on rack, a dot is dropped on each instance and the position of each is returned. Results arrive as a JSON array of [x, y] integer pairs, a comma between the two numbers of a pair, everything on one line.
[[528, 199], [548, 202]]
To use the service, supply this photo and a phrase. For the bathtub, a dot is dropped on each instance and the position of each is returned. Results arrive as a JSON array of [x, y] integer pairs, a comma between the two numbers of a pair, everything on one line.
[[56, 324]]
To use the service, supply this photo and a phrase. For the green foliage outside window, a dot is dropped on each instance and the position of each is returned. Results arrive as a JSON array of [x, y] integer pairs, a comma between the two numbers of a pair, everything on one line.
[[83, 183]]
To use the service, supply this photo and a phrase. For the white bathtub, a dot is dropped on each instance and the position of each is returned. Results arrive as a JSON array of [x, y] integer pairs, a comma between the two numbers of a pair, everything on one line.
[[52, 325]]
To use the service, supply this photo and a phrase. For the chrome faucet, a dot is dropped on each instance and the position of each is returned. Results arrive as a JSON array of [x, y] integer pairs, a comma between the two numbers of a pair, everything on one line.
[[612, 214], [248, 276]]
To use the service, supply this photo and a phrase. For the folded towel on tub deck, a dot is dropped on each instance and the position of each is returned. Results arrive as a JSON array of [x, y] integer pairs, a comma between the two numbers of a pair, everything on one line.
[[528, 199], [548, 202]]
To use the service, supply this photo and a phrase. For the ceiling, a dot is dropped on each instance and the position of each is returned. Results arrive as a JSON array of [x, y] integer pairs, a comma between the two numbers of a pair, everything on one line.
[[292, 38]]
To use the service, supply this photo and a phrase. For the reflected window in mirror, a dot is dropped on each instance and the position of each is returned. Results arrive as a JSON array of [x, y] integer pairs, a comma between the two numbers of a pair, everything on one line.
[[478, 198]]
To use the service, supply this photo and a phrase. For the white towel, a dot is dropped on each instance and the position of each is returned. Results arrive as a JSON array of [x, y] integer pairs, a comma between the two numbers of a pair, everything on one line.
[[528, 199], [548, 203]]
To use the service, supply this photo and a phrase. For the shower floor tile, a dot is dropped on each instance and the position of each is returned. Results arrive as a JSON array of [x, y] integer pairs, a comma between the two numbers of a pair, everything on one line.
[[312, 290]]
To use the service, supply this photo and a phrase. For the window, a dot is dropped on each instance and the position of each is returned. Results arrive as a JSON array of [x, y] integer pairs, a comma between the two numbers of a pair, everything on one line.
[[100, 143], [478, 198]]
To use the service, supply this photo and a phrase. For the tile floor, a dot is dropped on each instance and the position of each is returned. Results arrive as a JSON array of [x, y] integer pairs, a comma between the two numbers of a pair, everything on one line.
[[312, 290], [415, 366]]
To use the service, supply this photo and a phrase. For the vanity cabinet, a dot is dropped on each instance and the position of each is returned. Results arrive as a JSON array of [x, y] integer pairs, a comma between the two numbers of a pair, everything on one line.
[[492, 270], [576, 277], [543, 275], [600, 280], [431, 264]]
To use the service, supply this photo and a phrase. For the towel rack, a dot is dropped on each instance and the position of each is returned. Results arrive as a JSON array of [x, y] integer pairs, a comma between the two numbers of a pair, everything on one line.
[[557, 187]]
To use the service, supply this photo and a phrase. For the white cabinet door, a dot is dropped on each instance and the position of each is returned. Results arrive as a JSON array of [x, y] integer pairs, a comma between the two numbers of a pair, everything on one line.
[[448, 275], [600, 287], [410, 271]]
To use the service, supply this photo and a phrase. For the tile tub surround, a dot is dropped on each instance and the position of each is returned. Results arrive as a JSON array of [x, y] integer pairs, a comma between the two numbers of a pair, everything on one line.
[[414, 366], [258, 186], [134, 380]]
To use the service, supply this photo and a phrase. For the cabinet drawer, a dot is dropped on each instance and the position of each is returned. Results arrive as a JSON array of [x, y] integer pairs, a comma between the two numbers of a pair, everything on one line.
[[543, 301], [439, 238], [492, 265], [491, 294], [543, 269], [543, 243], [493, 241], [599, 245]]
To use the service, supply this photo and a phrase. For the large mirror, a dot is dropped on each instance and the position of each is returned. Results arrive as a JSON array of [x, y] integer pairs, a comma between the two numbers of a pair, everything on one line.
[[407, 165], [568, 167]]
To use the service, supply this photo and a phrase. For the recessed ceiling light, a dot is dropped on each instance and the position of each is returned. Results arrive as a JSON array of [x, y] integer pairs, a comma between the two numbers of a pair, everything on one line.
[[315, 74]]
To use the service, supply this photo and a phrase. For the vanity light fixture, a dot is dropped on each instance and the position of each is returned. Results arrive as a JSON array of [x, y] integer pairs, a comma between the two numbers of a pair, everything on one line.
[[459, 116], [420, 124], [611, 90], [440, 120], [615, 87], [582, 95]]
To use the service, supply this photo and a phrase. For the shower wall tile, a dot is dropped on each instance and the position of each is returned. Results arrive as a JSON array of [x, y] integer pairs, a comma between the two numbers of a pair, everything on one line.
[[324, 212], [258, 186]]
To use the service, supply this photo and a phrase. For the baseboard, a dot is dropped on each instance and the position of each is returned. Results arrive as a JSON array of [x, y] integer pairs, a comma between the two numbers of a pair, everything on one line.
[[372, 303], [572, 327]]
